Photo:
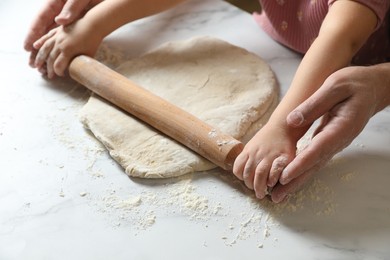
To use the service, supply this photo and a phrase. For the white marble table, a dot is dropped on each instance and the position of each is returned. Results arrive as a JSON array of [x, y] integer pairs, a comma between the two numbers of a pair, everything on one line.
[[62, 197]]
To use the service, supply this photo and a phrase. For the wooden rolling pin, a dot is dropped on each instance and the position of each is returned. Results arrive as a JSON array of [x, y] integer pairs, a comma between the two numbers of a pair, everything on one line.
[[217, 147]]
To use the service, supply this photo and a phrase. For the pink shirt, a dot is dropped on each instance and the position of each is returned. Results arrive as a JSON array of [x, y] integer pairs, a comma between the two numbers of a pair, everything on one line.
[[296, 24]]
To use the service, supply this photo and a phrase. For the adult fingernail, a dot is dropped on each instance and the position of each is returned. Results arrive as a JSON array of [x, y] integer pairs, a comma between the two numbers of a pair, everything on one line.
[[284, 178], [65, 14], [295, 118], [284, 181]]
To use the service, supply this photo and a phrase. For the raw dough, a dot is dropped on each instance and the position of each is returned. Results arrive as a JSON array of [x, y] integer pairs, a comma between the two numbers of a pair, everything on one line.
[[224, 85]]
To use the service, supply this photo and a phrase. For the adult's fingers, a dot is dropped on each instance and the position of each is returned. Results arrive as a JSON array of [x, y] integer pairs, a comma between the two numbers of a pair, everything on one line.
[[71, 11], [323, 146], [308, 159], [280, 192], [43, 22]]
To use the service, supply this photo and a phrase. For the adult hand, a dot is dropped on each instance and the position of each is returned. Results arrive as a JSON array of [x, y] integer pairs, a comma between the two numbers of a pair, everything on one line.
[[53, 14], [346, 101]]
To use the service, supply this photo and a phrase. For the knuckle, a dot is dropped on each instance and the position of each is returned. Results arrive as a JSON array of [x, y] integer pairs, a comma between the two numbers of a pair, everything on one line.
[[247, 172], [58, 69]]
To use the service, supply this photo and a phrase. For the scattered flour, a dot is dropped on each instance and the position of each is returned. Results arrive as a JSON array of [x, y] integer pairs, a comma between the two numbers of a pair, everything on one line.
[[140, 210], [346, 177], [212, 133], [109, 55], [83, 194]]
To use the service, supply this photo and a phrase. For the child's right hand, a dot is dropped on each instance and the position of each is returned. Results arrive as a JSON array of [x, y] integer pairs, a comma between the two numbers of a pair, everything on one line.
[[59, 46]]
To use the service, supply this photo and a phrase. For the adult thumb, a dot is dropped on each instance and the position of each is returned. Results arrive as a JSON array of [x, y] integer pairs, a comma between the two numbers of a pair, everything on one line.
[[318, 104], [71, 11]]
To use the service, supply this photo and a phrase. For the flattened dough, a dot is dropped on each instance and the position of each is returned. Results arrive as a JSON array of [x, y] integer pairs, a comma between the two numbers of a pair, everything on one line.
[[224, 85]]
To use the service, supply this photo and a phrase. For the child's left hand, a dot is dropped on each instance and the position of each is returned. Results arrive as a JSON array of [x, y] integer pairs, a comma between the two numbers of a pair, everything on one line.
[[59, 46]]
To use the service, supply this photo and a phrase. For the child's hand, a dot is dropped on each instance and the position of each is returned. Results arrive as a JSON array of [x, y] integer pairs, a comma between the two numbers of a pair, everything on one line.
[[53, 14], [264, 157], [56, 13], [57, 48]]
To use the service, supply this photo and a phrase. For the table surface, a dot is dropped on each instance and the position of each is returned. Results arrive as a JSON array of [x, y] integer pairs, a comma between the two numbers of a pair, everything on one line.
[[63, 197]]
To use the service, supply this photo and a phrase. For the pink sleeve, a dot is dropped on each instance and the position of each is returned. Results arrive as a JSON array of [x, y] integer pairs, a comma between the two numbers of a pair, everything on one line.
[[379, 7]]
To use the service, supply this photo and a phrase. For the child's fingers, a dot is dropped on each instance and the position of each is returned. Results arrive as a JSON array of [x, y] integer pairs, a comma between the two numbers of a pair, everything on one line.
[[38, 43], [43, 70], [43, 53], [32, 58], [249, 173], [61, 64], [50, 62], [260, 179], [239, 164], [278, 166]]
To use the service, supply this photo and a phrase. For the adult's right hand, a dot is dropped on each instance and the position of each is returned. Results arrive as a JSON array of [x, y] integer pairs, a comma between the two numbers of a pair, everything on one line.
[[53, 14], [346, 101]]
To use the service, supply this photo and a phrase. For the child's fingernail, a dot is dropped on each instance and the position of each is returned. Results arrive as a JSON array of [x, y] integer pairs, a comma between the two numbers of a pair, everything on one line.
[[271, 182], [295, 118], [279, 198], [260, 196]]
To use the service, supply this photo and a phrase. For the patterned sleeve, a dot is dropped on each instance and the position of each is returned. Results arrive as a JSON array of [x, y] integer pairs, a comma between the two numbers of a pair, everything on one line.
[[379, 7]]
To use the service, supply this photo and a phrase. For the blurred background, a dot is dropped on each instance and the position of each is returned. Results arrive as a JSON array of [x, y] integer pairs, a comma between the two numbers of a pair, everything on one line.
[[246, 5]]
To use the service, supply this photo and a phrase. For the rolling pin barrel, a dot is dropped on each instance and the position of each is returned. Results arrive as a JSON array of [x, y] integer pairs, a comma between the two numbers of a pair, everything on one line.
[[217, 147]]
